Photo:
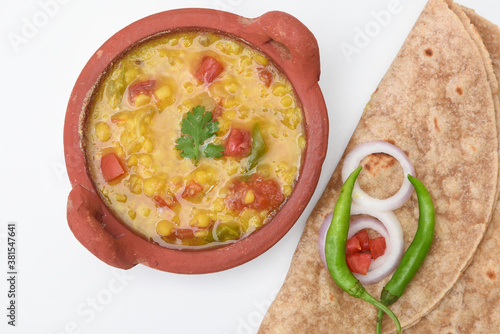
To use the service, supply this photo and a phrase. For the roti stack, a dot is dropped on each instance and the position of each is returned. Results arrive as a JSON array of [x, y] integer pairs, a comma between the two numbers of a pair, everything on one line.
[[439, 103], [473, 305]]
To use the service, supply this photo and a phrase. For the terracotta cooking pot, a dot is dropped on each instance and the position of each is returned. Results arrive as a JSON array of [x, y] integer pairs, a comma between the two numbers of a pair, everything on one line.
[[294, 50]]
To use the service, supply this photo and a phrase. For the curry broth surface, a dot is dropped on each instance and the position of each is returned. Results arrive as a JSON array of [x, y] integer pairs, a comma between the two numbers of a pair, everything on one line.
[[142, 132]]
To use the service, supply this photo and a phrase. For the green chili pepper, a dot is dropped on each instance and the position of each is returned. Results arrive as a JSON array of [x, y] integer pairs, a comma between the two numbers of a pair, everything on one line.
[[415, 254], [259, 148], [336, 239], [116, 88]]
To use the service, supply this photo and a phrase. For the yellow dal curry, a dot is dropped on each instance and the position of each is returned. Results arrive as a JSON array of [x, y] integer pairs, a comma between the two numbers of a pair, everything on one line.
[[134, 126]]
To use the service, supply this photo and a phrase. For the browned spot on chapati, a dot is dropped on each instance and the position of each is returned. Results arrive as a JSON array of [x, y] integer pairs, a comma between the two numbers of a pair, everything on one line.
[[491, 274], [436, 125], [378, 161]]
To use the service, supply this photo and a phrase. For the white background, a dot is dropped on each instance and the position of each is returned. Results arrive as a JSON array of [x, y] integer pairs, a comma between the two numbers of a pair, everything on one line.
[[62, 288]]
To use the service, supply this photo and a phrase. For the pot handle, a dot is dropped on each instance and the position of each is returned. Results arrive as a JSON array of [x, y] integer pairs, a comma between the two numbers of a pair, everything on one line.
[[289, 39], [84, 213]]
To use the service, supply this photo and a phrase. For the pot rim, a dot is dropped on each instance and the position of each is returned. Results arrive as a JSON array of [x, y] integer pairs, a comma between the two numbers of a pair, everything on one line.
[[297, 56]]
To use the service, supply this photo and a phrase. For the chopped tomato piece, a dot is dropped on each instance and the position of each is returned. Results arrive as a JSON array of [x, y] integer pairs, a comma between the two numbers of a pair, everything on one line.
[[144, 87], [184, 233], [208, 70], [265, 76], [267, 194], [359, 262], [192, 189], [237, 192], [377, 247], [353, 245], [111, 167], [363, 240], [168, 201], [160, 201], [239, 143]]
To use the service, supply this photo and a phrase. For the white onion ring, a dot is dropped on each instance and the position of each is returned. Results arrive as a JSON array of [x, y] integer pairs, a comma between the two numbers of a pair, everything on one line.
[[352, 161], [322, 237], [214, 231], [387, 225]]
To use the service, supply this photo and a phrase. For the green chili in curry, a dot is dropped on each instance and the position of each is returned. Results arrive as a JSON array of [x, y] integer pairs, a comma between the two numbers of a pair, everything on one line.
[[259, 148]]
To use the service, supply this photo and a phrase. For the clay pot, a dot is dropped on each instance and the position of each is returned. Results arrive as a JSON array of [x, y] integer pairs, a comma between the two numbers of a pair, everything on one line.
[[291, 46]]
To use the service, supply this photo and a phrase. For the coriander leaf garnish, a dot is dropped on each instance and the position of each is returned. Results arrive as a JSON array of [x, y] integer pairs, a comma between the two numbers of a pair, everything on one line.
[[214, 151], [197, 127], [186, 145]]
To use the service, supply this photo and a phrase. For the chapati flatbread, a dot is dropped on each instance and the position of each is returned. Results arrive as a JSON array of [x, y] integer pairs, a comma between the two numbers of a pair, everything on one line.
[[473, 305], [436, 103]]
